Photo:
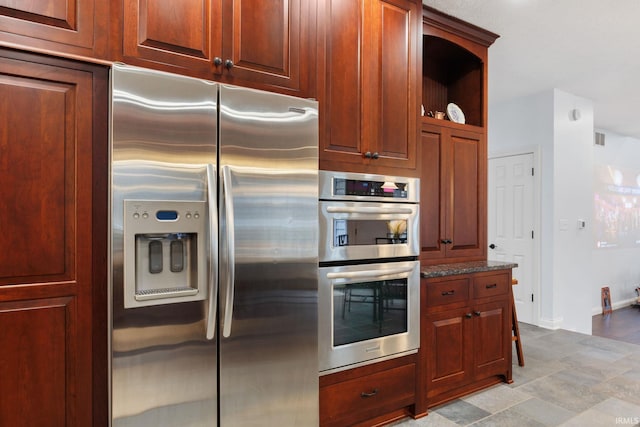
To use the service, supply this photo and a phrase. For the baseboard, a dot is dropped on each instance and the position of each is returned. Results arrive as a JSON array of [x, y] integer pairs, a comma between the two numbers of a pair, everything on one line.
[[551, 323], [614, 306]]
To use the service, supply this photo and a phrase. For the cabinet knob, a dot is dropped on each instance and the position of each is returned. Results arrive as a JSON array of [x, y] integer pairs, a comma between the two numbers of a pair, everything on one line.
[[468, 315], [368, 155], [217, 61], [228, 64], [492, 246], [375, 155], [477, 313]]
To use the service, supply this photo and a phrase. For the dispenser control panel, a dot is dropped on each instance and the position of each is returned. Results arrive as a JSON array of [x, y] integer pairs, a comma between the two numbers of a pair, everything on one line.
[[165, 258]]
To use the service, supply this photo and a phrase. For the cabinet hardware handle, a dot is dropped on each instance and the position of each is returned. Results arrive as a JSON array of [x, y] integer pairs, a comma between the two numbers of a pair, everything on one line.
[[373, 393], [477, 313], [228, 64], [445, 293], [446, 241], [491, 286], [217, 61], [375, 155], [368, 155], [468, 315]]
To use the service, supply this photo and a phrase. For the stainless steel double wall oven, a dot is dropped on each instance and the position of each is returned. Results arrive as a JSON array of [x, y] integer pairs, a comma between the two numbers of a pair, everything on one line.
[[369, 287]]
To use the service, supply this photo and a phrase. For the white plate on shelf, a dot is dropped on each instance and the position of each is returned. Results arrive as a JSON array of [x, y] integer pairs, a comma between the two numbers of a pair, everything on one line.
[[454, 113]]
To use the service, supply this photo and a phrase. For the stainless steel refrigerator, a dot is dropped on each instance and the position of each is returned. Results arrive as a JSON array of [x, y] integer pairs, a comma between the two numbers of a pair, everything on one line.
[[214, 254]]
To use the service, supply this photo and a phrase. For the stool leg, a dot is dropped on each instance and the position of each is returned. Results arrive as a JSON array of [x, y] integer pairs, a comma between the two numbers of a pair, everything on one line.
[[516, 332]]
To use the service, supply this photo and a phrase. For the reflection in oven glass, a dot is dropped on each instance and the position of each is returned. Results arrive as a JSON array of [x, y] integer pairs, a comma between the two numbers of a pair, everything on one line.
[[354, 232], [369, 310]]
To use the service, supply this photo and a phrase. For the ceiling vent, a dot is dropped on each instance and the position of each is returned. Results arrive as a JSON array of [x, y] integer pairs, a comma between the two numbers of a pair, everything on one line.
[[599, 139]]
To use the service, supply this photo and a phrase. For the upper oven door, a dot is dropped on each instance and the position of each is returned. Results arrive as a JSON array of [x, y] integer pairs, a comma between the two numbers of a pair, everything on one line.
[[363, 230]]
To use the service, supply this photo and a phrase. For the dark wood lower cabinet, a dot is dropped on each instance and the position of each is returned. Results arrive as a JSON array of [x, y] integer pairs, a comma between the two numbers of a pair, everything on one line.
[[53, 168], [465, 335], [370, 395]]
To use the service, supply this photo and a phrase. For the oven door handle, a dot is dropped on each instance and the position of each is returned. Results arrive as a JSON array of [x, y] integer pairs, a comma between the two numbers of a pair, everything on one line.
[[369, 274], [370, 210]]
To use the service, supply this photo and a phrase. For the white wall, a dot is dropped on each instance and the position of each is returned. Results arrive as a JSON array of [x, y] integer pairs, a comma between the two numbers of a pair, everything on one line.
[[617, 268], [573, 201], [542, 122]]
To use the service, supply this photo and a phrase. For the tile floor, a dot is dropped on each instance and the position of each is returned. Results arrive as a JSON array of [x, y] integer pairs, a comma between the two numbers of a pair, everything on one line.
[[569, 379]]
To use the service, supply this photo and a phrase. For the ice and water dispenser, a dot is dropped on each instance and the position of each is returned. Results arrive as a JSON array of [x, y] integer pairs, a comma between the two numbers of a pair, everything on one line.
[[164, 252]]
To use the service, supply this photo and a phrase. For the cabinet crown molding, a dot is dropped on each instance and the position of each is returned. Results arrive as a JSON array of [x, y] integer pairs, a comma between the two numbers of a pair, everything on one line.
[[437, 19]]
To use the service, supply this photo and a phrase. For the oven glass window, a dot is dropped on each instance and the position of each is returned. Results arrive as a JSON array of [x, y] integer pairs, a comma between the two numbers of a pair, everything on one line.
[[354, 232], [369, 310]]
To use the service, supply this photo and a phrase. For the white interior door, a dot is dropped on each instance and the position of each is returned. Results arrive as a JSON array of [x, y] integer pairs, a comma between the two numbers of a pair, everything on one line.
[[511, 225]]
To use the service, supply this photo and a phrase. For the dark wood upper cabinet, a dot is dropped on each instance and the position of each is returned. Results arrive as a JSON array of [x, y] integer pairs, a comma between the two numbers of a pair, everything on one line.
[[62, 27], [264, 44], [53, 139], [453, 194], [369, 85], [453, 155]]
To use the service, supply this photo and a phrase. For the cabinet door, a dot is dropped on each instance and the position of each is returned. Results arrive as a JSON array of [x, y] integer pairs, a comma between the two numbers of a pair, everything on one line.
[[432, 199], [58, 26], [466, 189], [392, 85], [181, 36], [447, 343], [52, 119], [492, 339], [340, 64], [270, 43]]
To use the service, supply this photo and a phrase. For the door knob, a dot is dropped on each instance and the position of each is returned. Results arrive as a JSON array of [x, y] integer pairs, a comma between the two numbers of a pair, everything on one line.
[[492, 246]]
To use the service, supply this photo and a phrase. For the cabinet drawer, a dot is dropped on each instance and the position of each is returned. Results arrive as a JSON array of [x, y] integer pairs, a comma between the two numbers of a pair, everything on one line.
[[490, 285], [369, 396], [447, 292]]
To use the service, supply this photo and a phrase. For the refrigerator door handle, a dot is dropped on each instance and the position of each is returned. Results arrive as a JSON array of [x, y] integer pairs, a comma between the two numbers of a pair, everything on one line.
[[213, 252], [231, 264]]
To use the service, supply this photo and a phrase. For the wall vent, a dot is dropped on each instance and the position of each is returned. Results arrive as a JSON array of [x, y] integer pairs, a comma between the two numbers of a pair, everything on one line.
[[599, 139]]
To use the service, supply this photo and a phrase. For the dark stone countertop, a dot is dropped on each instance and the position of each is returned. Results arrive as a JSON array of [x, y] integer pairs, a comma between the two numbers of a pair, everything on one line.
[[464, 268]]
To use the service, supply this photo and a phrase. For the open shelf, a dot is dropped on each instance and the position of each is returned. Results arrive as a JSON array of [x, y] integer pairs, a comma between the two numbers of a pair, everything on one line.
[[452, 74]]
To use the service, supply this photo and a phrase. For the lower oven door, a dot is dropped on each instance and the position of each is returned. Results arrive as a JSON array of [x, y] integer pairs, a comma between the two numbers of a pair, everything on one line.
[[368, 312]]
